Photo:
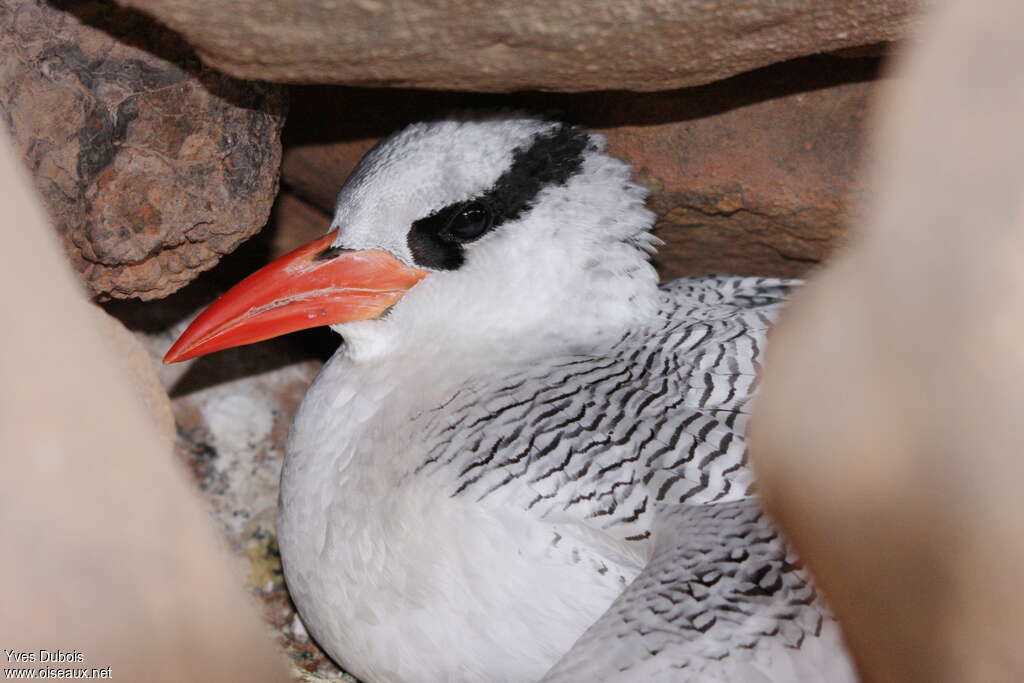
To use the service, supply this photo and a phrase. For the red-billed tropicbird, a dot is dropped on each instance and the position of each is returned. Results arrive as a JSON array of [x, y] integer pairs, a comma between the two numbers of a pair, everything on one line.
[[527, 461]]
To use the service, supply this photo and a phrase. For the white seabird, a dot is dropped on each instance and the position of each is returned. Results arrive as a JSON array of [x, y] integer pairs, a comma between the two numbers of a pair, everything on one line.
[[527, 460]]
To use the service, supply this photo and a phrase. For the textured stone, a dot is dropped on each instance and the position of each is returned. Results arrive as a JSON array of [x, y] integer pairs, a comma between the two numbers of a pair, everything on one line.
[[761, 184], [152, 167], [752, 175], [559, 45]]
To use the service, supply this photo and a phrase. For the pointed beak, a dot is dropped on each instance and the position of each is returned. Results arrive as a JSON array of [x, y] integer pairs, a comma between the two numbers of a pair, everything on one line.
[[315, 285]]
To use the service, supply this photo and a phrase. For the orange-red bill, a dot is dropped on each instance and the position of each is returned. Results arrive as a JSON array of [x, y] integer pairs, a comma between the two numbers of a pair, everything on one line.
[[312, 286]]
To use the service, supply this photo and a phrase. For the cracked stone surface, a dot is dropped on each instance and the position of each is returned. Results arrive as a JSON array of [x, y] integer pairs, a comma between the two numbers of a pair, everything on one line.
[[753, 175], [151, 165], [554, 45]]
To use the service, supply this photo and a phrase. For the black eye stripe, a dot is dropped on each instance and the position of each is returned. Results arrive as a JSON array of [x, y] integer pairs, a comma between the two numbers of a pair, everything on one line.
[[550, 160], [428, 246]]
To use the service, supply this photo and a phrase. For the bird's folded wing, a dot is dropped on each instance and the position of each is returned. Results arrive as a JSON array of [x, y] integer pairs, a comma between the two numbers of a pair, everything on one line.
[[655, 418], [722, 599]]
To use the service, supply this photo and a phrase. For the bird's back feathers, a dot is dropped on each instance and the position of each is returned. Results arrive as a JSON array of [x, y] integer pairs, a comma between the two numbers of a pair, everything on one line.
[[643, 440]]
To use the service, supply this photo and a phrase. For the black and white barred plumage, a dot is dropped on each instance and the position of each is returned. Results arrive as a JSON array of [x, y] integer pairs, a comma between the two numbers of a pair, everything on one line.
[[612, 434], [644, 440]]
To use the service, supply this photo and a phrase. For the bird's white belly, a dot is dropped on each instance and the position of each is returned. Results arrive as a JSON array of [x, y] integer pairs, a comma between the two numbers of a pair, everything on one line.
[[416, 586], [399, 581]]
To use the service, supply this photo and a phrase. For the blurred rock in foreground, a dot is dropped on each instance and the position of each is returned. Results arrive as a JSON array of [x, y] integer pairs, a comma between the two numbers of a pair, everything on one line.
[[887, 433]]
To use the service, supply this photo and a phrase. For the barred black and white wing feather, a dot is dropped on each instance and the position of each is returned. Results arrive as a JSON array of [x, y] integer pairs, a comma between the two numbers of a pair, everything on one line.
[[611, 434], [643, 440], [722, 599]]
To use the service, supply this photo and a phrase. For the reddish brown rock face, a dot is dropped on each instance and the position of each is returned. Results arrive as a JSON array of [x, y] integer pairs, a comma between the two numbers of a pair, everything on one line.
[[753, 175], [295, 223], [763, 183], [152, 167]]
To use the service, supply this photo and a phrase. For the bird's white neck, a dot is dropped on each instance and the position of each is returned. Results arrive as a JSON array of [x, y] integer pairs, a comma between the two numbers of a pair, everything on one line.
[[581, 324]]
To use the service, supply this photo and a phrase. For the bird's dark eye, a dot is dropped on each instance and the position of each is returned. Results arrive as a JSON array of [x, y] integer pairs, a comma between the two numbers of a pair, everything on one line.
[[472, 221]]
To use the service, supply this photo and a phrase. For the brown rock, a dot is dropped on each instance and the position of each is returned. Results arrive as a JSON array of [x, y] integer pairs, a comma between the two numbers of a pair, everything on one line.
[[752, 175], [152, 167], [759, 185], [293, 223], [530, 45]]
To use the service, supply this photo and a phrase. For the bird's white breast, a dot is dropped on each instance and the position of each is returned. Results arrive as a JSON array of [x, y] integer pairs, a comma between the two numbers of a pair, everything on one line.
[[400, 581]]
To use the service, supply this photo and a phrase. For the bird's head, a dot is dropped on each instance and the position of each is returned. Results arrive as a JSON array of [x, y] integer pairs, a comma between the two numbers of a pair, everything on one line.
[[458, 232]]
